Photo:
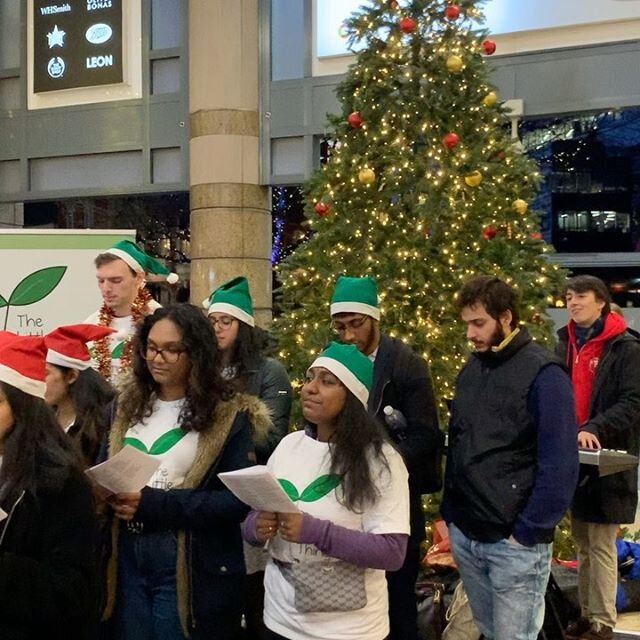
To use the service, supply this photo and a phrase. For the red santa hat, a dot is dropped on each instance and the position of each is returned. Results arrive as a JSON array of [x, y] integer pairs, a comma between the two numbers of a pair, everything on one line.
[[22, 362], [67, 345]]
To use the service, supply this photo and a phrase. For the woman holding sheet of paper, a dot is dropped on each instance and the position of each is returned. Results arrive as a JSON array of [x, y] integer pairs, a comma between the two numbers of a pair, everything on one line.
[[325, 578], [47, 524], [179, 567]]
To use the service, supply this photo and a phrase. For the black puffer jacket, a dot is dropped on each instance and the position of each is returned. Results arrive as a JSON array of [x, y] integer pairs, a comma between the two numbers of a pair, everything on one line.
[[47, 561], [614, 417]]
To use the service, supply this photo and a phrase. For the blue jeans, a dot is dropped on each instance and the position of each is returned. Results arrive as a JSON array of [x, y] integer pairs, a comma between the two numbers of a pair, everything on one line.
[[147, 605], [505, 582]]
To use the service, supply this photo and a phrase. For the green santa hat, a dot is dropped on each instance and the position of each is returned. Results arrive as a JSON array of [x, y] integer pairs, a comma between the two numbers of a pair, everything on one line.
[[350, 366], [140, 261], [233, 298], [356, 295]]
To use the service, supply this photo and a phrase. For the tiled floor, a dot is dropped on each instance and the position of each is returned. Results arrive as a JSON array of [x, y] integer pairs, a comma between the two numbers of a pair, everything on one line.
[[628, 625]]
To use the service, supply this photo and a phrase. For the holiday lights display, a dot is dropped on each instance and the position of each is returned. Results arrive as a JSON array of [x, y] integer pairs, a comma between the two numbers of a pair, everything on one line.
[[423, 190]]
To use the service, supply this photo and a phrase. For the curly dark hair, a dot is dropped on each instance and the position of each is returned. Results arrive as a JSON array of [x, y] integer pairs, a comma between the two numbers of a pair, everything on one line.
[[91, 395], [205, 387], [37, 453], [494, 294], [357, 440]]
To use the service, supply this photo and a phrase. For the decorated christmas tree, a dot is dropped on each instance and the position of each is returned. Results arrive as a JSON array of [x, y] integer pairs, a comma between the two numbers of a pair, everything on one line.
[[423, 189]]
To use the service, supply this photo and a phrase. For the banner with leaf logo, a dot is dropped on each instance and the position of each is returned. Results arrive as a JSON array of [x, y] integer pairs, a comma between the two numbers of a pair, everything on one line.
[[48, 277]]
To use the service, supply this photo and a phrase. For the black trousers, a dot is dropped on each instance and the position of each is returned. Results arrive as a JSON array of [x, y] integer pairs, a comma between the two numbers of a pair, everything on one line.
[[403, 611]]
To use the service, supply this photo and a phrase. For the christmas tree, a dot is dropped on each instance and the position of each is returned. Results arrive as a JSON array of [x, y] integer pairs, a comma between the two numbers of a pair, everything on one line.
[[424, 188]]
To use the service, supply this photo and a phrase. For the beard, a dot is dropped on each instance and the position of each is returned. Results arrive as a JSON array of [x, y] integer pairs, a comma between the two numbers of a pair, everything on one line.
[[498, 336]]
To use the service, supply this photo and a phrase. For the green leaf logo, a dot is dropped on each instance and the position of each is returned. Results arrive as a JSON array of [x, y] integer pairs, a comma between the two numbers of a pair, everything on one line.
[[319, 488], [33, 288], [138, 444], [167, 441], [117, 352], [161, 445], [289, 489], [36, 286]]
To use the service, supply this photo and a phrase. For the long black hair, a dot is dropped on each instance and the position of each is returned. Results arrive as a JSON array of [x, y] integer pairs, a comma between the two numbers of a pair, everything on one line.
[[251, 345], [205, 386], [90, 395], [37, 454], [355, 444]]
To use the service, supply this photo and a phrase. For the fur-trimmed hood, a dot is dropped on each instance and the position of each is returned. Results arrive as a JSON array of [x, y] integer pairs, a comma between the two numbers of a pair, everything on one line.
[[211, 442]]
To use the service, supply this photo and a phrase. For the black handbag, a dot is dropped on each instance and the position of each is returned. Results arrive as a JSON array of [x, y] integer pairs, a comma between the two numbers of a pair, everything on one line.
[[431, 610]]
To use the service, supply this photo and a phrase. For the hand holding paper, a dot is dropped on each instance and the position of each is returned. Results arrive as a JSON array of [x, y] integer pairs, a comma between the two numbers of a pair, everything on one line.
[[127, 472]]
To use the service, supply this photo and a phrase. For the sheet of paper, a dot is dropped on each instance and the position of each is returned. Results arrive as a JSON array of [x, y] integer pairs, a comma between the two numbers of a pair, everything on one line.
[[128, 471], [259, 488]]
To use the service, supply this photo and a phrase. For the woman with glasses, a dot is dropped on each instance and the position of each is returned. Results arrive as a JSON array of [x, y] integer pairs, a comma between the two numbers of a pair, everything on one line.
[[244, 364], [177, 569], [325, 578]]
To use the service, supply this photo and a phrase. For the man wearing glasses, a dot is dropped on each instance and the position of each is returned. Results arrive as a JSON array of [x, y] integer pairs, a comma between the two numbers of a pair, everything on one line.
[[402, 385]]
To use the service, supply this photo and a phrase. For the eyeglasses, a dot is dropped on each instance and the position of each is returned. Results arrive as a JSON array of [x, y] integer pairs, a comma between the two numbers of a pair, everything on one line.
[[224, 321], [170, 355], [356, 323]]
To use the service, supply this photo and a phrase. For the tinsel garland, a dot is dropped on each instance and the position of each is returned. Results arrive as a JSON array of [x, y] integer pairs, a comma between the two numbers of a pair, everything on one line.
[[102, 348]]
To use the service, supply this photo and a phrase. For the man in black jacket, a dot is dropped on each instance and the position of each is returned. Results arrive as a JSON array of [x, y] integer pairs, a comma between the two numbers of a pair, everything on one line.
[[401, 386], [604, 359], [512, 463]]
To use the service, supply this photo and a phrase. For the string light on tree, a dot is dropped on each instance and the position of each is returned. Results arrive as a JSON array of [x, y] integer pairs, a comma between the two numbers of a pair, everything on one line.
[[421, 194]]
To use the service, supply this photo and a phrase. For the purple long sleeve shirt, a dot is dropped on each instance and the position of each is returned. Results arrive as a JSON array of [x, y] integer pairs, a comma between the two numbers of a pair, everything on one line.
[[370, 550]]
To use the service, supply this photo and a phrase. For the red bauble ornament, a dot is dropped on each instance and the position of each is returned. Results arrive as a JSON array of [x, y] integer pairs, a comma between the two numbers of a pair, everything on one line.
[[452, 12], [393, 4], [355, 119], [322, 208], [489, 47], [408, 24], [489, 233], [451, 140], [536, 235]]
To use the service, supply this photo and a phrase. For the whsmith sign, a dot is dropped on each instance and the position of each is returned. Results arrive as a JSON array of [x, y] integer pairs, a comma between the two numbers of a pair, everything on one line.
[[76, 44]]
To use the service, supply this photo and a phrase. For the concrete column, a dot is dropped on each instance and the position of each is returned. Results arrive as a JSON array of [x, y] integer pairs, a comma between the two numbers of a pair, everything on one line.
[[230, 211]]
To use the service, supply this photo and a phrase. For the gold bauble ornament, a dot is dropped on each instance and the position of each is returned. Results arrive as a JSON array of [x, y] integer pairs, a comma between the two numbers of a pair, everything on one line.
[[559, 304], [490, 99], [473, 179], [367, 176], [520, 206], [454, 63]]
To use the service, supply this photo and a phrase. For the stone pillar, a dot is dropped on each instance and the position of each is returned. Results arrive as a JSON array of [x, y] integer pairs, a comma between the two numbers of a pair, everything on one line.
[[230, 211]]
